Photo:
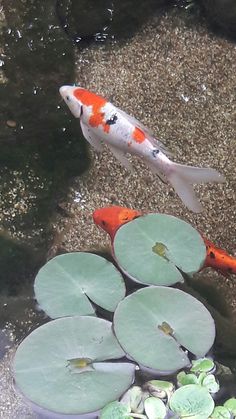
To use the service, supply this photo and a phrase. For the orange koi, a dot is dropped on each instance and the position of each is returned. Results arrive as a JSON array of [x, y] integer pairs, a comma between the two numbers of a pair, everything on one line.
[[110, 219], [103, 123]]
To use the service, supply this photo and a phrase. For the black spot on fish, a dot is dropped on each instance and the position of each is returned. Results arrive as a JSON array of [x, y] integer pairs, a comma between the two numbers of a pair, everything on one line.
[[112, 120], [81, 110], [212, 255], [103, 223], [155, 152]]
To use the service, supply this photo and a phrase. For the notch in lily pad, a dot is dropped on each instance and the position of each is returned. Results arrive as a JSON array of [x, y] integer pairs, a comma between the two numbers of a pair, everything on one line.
[[68, 285], [65, 366], [153, 249], [138, 325]]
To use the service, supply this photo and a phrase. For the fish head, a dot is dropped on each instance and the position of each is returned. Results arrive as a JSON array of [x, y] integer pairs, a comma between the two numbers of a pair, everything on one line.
[[73, 103], [112, 218]]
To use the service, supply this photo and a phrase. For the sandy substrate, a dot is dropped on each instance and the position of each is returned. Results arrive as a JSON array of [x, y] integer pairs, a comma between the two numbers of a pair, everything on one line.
[[179, 80]]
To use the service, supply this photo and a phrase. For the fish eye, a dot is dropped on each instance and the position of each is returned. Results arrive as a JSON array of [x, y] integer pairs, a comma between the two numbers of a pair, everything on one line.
[[103, 223], [68, 98]]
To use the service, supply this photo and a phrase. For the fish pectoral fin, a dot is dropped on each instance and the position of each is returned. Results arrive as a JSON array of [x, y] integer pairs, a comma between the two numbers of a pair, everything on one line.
[[120, 156], [92, 138]]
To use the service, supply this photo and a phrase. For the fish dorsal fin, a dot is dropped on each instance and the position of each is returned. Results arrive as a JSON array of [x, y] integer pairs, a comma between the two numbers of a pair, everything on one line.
[[148, 133]]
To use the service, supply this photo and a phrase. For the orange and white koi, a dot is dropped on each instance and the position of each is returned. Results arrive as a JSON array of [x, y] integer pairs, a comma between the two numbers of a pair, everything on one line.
[[103, 123], [110, 219]]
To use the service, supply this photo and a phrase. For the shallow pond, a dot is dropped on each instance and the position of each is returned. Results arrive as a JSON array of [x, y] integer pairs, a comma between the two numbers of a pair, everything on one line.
[[163, 66]]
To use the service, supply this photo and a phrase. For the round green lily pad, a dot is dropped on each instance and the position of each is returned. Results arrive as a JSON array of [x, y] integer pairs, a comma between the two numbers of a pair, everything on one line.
[[154, 324], [68, 284], [192, 402], [63, 366], [150, 249]]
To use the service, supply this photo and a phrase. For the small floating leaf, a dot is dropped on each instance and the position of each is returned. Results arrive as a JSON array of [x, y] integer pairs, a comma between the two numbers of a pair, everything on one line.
[[137, 320], [210, 383], [133, 399], [184, 379], [202, 365], [154, 408], [50, 366], [192, 401], [231, 405], [67, 284], [115, 410], [150, 249], [220, 412], [159, 388]]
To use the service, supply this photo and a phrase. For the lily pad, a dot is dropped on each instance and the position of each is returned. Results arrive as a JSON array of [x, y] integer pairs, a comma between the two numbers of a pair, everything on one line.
[[67, 284], [63, 366], [138, 325], [150, 249], [192, 402]]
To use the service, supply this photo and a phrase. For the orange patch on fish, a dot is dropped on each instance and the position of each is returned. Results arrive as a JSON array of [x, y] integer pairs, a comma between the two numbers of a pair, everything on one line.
[[97, 102], [138, 135], [219, 259]]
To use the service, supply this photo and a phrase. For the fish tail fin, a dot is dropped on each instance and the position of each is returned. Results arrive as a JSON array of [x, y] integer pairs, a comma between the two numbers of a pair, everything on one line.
[[182, 177]]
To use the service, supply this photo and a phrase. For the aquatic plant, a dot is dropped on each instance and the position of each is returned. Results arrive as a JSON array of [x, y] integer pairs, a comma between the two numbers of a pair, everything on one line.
[[154, 249], [157, 326], [64, 366], [71, 284], [161, 399], [67, 365]]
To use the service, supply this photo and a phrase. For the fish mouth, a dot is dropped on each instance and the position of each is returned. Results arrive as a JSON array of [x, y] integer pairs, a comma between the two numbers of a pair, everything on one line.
[[64, 90]]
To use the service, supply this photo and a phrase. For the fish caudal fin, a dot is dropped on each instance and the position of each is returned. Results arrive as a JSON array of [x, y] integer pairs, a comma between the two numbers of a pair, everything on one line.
[[182, 177]]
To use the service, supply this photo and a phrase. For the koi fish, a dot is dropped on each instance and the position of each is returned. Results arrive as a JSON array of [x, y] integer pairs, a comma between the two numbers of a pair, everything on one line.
[[103, 123], [110, 219]]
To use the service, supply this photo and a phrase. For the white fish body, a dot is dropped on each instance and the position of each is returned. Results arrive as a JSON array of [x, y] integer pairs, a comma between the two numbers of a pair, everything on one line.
[[101, 122]]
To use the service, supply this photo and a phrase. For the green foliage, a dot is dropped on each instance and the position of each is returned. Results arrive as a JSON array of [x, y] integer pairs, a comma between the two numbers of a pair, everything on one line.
[[231, 405], [202, 365], [155, 408], [138, 325], [115, 410], [192, 401], [220, 412], [152, 249], [67, 284], [63, 366]]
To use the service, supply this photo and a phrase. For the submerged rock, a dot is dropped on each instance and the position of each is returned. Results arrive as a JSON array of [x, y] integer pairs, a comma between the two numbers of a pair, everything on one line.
[[222, 14]]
